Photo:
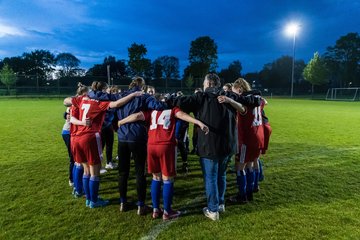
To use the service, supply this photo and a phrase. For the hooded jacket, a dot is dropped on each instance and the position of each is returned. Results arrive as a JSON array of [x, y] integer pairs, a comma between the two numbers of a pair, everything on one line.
[[221, 141], [132, 132]]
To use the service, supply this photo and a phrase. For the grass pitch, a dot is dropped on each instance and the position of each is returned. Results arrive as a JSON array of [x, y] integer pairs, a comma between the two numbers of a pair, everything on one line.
[[311, 188]]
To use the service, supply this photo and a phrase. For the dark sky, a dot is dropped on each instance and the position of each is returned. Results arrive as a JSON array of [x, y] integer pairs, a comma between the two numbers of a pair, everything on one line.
[[249, 31]]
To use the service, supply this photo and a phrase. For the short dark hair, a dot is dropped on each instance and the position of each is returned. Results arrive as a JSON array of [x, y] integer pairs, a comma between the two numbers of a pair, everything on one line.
[[213, 79]]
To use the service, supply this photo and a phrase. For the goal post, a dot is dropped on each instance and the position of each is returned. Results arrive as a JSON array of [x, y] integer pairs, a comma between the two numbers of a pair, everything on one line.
[[343, 94]]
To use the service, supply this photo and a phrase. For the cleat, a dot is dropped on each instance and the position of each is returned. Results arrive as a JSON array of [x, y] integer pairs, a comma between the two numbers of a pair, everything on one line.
[[221, 208], [71, 184], [157, 212], [238, 199], [87, 203], [211, 215], [143, 210], [103, 170], [123, 207], [111, 165], [171, 215], [100, 203], [185, 170], [76, 194], [257, 189]]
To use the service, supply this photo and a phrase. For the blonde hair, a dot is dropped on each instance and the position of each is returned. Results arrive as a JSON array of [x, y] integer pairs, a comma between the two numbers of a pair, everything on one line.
[[82, 89], [242, 84]]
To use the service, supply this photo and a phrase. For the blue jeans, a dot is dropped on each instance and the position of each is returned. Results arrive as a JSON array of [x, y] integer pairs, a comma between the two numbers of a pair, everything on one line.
[[214, 172]]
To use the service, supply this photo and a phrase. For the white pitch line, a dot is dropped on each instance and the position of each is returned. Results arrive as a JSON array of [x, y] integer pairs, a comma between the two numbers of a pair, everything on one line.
[[155, 231]]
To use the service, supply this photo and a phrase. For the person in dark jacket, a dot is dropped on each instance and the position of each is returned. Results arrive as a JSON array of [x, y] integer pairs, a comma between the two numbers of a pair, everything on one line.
[[132, 140], [216, 147]]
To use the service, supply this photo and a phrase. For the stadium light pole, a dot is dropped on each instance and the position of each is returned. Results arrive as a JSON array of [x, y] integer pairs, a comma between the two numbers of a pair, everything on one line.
[[292, 29]]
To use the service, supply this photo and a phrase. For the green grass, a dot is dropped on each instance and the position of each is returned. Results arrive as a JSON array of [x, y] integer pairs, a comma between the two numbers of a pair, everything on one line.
[[311, 188]]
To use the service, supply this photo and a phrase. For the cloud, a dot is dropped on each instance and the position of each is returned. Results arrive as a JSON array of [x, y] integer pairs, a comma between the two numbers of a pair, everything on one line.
[[6, 30]]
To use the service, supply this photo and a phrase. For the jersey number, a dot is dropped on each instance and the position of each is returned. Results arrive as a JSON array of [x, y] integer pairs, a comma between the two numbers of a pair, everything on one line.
[[257, 117], [86, 108], [164, 119]]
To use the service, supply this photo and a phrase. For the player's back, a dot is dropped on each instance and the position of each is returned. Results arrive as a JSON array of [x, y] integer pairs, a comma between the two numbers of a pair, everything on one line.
[[250, 130], [161, 126], [90, 109]]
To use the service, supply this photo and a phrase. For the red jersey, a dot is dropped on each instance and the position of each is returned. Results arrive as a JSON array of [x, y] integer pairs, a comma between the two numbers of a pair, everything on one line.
[[93, 109], [161, 126], [250, 127], [74, 112]]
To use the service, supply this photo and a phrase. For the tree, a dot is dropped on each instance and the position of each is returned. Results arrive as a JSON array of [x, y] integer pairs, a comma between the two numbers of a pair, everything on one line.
[[170, 67], [68, 63], [202, 57], [157, 69], [17, 64], [138, 64], [40, 63], [343, 60], [166, 67], [315, 71], [117, 68], [7, 77], [278, 73], [189, 82], [232, 72]]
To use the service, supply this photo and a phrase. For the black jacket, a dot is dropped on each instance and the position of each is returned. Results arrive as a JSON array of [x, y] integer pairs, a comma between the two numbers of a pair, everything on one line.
[[221, 140]]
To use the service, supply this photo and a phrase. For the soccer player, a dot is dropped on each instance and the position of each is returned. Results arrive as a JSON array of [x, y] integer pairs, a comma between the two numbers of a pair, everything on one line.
[[87, 147], [107, 130], [216, 147], [162, 153], [227, 87], [250, 143], [66, 137], [78, 170], [132, 139]]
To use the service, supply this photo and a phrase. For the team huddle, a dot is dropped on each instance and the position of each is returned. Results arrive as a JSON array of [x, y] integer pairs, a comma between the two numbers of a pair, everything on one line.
[[227, 121]]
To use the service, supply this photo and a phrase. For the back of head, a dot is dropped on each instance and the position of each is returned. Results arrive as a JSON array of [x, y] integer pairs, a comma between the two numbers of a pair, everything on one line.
[[115, 89], [214, 80], [227, 86], [137, 82], [198, 90], [242, 84], [82, 89], [150, 90], [99, 86]]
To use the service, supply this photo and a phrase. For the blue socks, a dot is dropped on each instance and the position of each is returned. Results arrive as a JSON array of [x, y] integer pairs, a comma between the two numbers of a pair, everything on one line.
[[168, 192], [261, 174], [256, 179], [241, 182], [250, 176], [78, 176], [94, 184], [155, 192], [85, 180]]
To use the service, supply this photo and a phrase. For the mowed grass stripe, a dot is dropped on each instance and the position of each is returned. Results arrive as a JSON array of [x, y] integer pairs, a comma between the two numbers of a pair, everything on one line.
[[311, 187]]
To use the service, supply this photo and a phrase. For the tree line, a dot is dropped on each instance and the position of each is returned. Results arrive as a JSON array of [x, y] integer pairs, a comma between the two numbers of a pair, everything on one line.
[[339, 66]]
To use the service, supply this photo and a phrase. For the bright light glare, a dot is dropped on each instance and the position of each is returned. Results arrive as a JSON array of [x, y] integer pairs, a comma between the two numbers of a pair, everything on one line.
[[292, 29]]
